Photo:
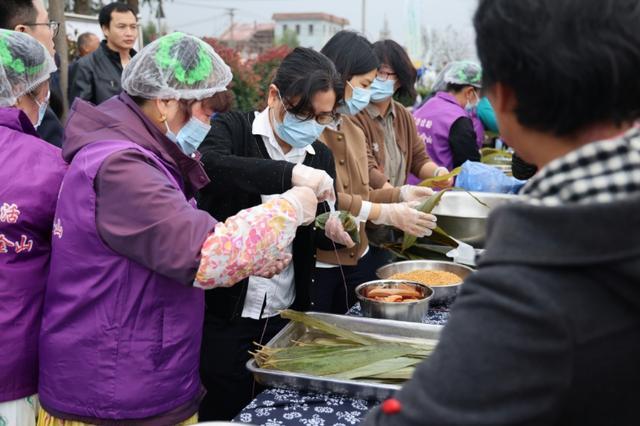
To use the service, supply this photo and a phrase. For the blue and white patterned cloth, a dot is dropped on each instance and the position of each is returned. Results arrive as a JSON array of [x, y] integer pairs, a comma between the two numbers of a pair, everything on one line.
[[280, 407]]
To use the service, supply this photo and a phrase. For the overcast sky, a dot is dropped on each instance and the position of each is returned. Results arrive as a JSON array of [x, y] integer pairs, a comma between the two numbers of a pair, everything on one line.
[[210, 17]]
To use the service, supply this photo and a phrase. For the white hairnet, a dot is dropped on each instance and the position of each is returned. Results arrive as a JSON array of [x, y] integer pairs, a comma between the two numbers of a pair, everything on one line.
[[25, 64], [176, 66], [466, 73]]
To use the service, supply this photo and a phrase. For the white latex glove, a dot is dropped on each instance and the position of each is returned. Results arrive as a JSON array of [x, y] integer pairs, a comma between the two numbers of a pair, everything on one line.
[[318, 180], [334, 230], [409, 193], [407, 219], [305, 202], [275, 267]]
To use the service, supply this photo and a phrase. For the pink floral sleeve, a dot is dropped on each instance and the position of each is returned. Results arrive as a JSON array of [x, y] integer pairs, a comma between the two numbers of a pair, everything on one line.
[[245, 243]]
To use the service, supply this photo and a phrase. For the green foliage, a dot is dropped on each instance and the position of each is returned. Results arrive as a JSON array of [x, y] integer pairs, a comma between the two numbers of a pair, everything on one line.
[[251, 78], [289, 38]]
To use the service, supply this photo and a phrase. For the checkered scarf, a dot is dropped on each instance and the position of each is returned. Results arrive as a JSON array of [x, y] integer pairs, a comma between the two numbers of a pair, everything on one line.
[[599, 172]]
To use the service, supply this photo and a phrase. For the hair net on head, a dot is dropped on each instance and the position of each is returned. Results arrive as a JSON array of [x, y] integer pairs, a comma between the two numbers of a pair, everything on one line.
[[176, 66], [25, 65], [464, 73]]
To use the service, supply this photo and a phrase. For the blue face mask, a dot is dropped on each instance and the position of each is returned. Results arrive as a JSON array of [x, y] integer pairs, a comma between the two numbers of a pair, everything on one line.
[[42, 110], [382, 90], [296, 132], [190, 136], [359, 100]]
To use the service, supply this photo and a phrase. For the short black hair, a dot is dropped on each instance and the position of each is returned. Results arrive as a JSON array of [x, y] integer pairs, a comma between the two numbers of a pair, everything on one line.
[[570, 63], [351, 53], [84, 38], [303, 73], [391, 53], [16, 12], [104, 18]]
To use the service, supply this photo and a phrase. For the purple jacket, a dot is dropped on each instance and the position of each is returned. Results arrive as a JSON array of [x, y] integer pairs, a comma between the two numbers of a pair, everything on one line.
[[434, 121], [122, 323], [31, 174]]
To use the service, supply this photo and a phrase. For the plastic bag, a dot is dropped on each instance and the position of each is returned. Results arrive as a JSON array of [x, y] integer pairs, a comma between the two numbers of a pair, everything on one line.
[[480, 177]]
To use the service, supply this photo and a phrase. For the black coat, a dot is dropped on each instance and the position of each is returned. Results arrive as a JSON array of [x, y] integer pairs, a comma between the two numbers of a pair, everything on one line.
[[241, 170], [96, 77], [546, 332]]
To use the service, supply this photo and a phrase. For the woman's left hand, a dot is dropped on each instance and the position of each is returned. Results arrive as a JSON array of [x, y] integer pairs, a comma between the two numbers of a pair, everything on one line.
[[411, 193]]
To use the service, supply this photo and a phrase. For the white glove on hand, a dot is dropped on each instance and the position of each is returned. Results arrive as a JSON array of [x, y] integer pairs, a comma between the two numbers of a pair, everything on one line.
[[318, 180], [406, 219], [334, 230], [305, 202], [409, 193], [275, 267]]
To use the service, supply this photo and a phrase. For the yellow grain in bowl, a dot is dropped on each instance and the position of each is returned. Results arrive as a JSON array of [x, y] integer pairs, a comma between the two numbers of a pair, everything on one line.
[[428, 277]]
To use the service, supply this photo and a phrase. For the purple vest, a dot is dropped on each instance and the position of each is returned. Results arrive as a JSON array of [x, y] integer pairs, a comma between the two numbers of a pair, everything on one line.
[[118, 340], [434, 121], [31, 174]]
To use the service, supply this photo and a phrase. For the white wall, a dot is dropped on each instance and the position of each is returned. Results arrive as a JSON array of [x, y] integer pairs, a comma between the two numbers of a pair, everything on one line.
[[322, 31]]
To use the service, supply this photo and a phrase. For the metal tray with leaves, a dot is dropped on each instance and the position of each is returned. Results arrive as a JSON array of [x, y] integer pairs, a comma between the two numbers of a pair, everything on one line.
[[393, 331]]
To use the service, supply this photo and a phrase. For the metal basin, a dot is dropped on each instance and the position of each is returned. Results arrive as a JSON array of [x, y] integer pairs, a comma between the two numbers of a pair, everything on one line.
[[462, 217], [441, 294], [399, 311]]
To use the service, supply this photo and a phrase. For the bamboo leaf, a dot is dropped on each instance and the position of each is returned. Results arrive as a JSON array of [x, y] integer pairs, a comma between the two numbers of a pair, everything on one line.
[[426, 207], [342, 359], [430, 182], [331, 329], [380, 367]]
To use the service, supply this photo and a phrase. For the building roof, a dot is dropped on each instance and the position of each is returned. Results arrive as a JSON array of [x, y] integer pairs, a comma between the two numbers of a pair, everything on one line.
[[310, 16], [245, 31]]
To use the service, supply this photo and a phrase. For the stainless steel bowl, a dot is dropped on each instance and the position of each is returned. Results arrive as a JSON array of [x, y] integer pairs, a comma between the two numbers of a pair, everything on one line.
[[441, 294], [462, 217], [399, 311]]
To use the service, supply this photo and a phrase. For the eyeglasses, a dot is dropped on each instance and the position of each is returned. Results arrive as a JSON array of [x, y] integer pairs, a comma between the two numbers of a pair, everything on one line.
[[324, 119], [384, 75], [54, 26]]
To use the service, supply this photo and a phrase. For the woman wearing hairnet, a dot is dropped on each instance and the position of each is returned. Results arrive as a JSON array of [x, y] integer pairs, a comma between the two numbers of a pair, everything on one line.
[[448, 122], [124, 305], [31, 174]]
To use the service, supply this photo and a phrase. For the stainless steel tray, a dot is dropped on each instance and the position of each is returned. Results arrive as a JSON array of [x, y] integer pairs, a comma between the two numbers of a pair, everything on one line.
[[386, 329]]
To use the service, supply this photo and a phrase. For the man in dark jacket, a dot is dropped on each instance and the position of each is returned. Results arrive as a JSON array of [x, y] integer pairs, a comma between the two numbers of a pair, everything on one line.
[[547, 331], [31, 17], [97, 76]]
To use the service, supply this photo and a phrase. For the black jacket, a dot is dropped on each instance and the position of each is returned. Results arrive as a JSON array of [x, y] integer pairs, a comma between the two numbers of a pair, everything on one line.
[[546, 332], [96, 77], [241, 170]]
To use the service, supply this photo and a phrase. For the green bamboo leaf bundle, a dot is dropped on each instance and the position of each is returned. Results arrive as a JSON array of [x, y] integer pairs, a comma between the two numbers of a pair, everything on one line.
[[426, 207], [343, 354], [349, 223]]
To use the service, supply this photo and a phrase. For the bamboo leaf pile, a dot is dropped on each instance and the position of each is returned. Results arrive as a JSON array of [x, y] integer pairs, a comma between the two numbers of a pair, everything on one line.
[[336, 352]]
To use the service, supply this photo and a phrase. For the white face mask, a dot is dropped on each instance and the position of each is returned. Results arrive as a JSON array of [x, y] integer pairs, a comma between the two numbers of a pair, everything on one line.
[[42, 109], [471, 107]]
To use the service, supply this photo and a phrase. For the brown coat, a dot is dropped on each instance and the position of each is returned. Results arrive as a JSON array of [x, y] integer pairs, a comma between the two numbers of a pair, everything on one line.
[[352, 181], [407, 138]]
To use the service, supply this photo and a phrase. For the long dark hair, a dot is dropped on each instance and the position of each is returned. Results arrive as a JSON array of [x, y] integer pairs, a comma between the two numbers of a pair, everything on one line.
[[303, 73], [351, 53], [391, 53]]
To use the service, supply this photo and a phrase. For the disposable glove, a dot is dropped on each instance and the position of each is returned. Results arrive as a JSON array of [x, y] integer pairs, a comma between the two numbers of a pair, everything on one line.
[[318, 180], [410, 193], [334, 230], [407, 219], [305, 202]]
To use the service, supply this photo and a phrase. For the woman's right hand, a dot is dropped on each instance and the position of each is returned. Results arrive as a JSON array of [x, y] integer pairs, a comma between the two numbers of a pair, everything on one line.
[[407, 219], [318, 180]]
